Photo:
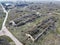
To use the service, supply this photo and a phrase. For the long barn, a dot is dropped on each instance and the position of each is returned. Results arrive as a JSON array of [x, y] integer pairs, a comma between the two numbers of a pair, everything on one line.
[[45, 25], [23, 20]]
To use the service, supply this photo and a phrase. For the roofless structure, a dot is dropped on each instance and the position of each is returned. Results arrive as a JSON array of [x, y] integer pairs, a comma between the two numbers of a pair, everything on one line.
[[38, 31]]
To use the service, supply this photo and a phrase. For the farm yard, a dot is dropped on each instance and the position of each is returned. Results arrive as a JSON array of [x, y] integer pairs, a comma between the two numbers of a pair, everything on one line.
[[33, 24], [18, 26]]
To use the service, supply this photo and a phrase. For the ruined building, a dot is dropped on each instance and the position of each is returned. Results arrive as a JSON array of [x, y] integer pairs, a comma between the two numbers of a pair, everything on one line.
[[23, 20], [38, 30]]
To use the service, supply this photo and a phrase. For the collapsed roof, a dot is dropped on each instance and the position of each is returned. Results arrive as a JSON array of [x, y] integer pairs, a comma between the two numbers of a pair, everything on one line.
[[37, 31]]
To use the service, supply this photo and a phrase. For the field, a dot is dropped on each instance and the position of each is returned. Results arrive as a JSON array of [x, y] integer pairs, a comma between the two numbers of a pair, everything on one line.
[[2, 15], [4, 40]]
